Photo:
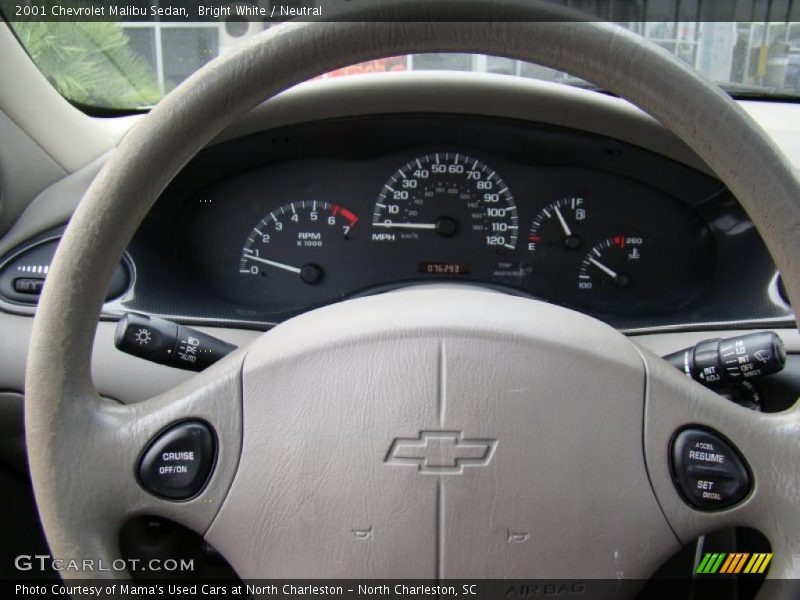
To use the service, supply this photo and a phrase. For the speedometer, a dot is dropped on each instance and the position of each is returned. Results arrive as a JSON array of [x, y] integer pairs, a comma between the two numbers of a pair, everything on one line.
[[447, 195]]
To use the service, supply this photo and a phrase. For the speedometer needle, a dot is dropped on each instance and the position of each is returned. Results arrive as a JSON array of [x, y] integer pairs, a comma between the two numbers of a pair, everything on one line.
[[273, 263], [391, 225], [444, 226]]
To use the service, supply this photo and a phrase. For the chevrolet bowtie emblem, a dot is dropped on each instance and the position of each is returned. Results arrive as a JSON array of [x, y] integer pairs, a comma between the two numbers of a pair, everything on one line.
[[441, 452]]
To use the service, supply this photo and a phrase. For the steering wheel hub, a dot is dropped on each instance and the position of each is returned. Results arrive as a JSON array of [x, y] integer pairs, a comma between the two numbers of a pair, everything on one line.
[[442, 433]]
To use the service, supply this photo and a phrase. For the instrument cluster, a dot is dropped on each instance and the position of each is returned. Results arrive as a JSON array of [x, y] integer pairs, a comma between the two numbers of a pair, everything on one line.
[[295, 235], [261, 228]]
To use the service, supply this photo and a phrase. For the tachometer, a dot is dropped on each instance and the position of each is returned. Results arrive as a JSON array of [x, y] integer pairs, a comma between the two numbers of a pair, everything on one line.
[[448, 195], [296, 239]]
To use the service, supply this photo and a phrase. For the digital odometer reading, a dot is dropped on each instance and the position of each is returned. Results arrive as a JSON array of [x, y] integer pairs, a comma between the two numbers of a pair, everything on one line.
[[448, 196], [443, 268]]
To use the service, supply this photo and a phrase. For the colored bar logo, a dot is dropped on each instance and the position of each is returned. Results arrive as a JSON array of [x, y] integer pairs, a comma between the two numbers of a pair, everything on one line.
[[734, 563]]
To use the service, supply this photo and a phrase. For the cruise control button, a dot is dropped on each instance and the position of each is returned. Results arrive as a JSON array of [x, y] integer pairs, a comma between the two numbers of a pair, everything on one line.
[[709, 472], [177, 463]]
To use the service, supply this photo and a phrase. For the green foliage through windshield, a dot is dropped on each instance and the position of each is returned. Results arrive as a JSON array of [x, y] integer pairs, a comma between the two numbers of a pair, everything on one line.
[[131, 65], [90, 63]]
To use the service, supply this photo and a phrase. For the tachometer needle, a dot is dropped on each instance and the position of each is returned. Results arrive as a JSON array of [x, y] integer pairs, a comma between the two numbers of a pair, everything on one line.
[[272, 263], [563, 221], [391, 225]]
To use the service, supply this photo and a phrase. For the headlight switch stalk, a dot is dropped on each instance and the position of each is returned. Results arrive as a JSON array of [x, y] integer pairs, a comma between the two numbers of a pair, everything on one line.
[[168, 343]]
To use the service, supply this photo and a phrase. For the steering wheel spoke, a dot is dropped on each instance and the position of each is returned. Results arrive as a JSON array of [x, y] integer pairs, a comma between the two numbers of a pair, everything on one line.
[[102, 445], [769, 444]]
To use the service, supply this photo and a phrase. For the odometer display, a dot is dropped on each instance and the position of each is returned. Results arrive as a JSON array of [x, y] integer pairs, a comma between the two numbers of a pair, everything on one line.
[[442, 268], [449, 196]]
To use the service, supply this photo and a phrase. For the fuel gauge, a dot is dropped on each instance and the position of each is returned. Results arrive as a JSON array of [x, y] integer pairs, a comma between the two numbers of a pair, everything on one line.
[[558, 227]]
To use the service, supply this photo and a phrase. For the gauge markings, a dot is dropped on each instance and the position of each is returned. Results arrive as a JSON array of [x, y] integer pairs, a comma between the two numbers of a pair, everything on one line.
[[555, 226], [294, 238], [613, 257], [449, 194]]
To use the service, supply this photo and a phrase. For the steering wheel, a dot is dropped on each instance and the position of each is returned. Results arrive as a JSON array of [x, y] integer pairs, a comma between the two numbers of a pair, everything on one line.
[[429, 433]]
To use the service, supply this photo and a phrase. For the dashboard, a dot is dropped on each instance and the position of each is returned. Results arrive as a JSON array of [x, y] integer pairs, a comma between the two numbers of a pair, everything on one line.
[[576, 236], [263, 227]]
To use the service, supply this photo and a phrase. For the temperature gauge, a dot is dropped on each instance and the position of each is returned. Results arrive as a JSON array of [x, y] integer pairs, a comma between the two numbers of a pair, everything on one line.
[[613, 263]]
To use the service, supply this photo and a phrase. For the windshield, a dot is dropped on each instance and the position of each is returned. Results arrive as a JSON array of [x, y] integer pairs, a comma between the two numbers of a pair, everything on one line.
[[132, 65]]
